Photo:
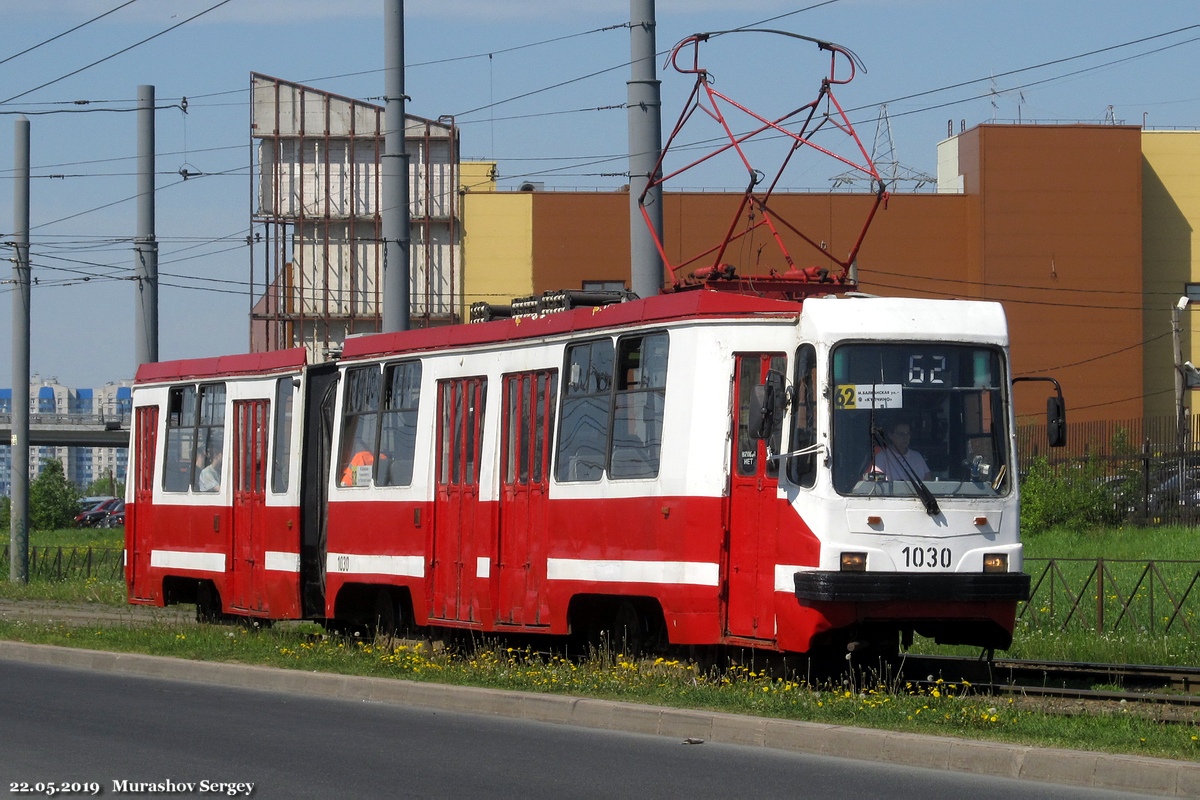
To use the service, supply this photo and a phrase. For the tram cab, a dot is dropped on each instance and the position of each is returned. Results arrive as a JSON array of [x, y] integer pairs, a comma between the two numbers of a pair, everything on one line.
[[900, 455]]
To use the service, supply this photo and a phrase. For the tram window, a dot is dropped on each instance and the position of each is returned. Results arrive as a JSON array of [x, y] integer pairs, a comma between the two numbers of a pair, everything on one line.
[[398, 425], [543, 417], [360, 426], [195, 435], [638, 405], [210, 437], [950, 397], [802, 470], [753, 371], [280, 472], [461, 404], [180, 447], [583, 427]]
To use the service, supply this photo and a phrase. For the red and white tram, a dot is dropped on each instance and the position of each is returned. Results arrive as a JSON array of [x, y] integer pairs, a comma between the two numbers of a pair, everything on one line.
[[701, 465]]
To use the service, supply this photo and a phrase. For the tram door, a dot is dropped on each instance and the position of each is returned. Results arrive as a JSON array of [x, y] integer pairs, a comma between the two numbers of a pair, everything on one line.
[[526, 436], [753, 510], [456, 509], [250, 426], [138, 523]]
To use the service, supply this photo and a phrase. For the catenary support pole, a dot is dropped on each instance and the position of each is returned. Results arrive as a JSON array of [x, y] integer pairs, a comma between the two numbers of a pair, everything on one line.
[[645, 144], [394, 174], [145, 245], [18, 563], [1181, 408]]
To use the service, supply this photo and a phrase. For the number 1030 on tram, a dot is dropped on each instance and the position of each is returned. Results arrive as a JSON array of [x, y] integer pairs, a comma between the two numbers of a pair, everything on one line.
[[695, 468]]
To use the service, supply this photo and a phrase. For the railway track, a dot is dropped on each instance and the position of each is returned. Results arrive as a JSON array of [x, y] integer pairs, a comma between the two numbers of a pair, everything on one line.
[[82, 614], [1173, 690]]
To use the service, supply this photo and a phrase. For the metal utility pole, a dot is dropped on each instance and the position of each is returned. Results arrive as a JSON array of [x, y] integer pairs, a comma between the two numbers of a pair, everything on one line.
[[1181, 384], [645, 144], [18, 562], [145, 245], [394, 174]]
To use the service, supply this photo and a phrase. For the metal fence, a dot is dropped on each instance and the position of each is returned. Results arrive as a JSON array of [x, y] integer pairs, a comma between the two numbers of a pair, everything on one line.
[[1112, 596], [1140, 469], [71, 563]]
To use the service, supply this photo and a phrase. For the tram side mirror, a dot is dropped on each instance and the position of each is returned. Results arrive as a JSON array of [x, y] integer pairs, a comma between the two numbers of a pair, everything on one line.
[[1056, 421], [766, 406]]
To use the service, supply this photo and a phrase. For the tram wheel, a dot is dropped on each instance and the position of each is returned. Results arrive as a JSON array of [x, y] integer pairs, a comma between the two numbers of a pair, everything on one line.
[[384, 618], [628, 630], [208, 603]]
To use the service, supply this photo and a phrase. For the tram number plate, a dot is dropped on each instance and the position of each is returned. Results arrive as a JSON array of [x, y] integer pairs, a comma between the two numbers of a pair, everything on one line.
[[343, 563], [927, 557]]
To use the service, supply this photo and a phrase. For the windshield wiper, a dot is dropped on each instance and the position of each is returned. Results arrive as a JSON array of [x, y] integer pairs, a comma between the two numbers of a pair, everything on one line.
[[927, 499]]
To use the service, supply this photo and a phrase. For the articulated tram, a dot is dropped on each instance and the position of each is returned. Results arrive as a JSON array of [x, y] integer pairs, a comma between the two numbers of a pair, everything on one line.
[[699, 467]]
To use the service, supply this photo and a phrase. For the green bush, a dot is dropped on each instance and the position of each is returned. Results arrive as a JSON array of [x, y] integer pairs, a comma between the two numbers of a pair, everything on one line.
[[1073, 496], [53, 500]]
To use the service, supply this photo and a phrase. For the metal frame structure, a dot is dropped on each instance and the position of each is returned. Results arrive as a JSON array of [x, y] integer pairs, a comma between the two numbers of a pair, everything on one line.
[[316, 189]]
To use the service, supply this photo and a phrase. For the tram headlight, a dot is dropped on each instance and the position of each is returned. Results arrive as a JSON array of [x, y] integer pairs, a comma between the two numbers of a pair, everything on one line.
[[995, 562], [854, 562]]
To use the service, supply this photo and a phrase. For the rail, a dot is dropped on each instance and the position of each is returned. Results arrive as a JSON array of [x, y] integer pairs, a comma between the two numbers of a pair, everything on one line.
[[1169, 693]]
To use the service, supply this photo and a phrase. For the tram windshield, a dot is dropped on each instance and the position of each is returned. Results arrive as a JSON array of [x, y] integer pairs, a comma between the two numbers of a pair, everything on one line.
[[906, 414]]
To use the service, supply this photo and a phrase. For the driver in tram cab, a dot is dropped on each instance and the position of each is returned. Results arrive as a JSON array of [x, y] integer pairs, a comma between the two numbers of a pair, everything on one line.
[[362, 458], [885, 463]]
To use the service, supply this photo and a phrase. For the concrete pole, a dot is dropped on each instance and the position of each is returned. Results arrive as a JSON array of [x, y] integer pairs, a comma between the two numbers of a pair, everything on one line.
[[1181, 426], [394, 173], [645, 144], [145, 245], [18, 562]]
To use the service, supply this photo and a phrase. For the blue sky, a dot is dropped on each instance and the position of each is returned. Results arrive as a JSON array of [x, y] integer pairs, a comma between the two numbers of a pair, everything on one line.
[[83, 214]]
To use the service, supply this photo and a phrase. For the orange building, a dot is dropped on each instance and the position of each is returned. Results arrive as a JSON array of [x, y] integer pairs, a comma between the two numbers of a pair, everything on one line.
[[1047, 220]]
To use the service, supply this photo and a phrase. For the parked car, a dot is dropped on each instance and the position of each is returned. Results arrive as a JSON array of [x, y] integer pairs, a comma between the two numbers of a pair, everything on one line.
[[115, 518], [91, 517], [1180, 488], [1122, 493]]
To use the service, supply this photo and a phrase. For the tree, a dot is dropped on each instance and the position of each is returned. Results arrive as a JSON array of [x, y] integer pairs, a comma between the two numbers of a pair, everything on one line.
[[5, 512], [53, 500], [103, 487]]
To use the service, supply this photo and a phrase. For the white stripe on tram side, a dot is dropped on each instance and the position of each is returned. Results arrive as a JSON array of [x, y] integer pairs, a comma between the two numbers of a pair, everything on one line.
[[692, 573], [185, 559], [280, 561], [785, 576], [350, 563]]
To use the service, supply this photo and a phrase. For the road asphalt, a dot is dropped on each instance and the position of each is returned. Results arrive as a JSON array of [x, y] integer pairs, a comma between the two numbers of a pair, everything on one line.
[[1135, 774]]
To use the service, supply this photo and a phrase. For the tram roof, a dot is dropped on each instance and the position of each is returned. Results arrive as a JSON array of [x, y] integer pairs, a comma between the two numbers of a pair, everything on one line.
[[291, 360], [907, 318], [665, 308]]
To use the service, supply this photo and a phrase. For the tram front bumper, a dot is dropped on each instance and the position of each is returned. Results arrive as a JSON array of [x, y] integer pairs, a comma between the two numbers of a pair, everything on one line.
[[881, 587]]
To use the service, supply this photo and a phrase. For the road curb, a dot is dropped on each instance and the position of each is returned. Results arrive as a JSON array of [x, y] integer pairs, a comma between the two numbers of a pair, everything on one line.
[[1069, 767]]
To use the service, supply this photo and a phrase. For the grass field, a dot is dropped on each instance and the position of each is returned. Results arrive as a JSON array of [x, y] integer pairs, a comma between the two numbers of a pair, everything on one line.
[[113, 538], [1137, 544]]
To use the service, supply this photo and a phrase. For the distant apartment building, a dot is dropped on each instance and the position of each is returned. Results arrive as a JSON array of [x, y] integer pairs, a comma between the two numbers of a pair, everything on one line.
[[82, 465]]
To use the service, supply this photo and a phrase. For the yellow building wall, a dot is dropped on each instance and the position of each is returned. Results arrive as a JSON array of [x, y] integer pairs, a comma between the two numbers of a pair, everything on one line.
[[477, 176], [497, 247], [1170, 248]]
